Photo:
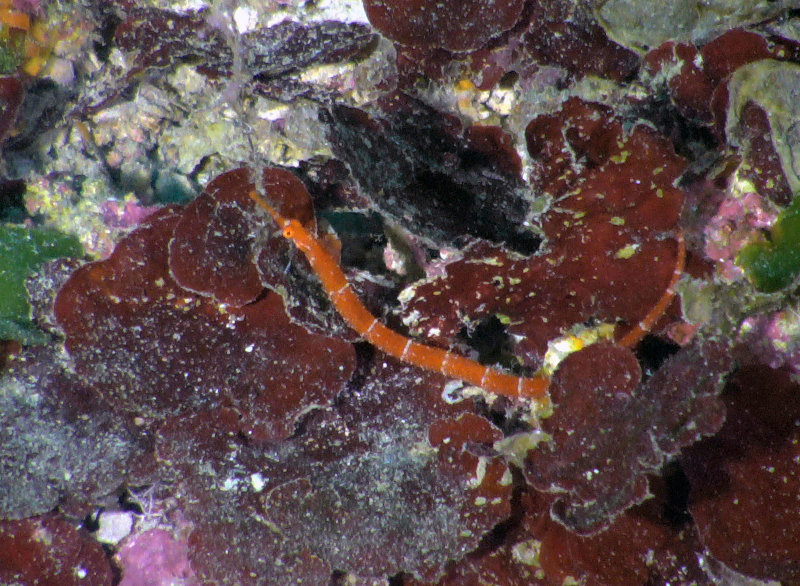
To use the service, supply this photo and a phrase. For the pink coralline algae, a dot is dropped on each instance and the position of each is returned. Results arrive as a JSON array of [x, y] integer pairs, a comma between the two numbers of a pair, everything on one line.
[[736, 222], [154, 558], [773, 339], [127, 215]]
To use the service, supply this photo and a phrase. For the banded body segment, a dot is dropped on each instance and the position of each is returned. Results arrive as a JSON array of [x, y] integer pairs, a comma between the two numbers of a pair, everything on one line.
[[465, 369], [353, 311], [389, 341], [427, 357]]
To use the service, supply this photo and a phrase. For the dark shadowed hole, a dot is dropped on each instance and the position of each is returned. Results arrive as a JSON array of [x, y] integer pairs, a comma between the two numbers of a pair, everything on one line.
[[471, 160], [526, 244], [491, 341], [397, 580], [509, 80], [12, 201], [128, 502], [361, 237], [652, 352], [91, 522], [104, 39], [689, 138], [676, 509]]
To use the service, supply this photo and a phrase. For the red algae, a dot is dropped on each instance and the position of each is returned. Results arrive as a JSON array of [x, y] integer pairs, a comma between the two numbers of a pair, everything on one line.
[[547, 196], [744, 501], [11, 94], [615, 210], [634, 428], [428, 174], [129, 322], [162, 38], [427, 495], [54, 423], [563, 33], [429, 24], [51, 550]]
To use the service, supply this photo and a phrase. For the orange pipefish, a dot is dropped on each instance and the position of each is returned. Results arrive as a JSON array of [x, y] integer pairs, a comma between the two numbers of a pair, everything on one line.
[[371, 329], [431, 358]]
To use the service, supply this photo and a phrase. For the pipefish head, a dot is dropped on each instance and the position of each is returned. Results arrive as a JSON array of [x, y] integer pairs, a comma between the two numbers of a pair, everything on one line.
[[295, 231], [291, 229]]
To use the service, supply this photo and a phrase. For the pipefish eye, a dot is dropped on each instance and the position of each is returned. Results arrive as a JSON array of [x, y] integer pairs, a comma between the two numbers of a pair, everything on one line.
[[288, 232]]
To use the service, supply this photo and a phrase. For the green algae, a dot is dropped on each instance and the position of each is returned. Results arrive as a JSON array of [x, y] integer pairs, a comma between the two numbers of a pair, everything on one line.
[[22, 251], [772, 265]]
